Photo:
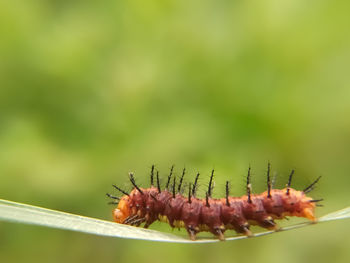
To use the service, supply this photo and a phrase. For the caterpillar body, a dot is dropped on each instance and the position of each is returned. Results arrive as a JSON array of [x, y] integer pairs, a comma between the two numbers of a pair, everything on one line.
[[146, 205]]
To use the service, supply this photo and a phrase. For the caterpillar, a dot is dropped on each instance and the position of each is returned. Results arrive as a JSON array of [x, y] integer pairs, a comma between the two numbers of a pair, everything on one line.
[[146, 205]]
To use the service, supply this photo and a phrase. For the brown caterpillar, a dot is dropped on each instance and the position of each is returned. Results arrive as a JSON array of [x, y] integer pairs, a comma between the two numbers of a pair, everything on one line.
[[146, 205]]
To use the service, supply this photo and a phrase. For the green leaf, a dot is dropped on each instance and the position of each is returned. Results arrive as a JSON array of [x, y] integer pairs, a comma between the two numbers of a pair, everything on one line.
[[28, 214]]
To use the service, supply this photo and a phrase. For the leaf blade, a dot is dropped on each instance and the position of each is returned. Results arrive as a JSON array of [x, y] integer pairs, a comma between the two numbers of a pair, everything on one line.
[[28, 214]]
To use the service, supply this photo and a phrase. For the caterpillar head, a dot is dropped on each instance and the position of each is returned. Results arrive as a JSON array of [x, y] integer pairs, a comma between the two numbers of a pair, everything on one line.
[[123, 210]]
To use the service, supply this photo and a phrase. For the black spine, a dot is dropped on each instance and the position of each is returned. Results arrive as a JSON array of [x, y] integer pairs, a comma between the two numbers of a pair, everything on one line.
[[189, 193], [112, 196], [268, 181], [311, 186], [210, 188], [194, 189], [120, 190], [158, 183], [169, 177], [152, 174], [289, 181], [207, 199], [181, 179], [174, 186], [249, 187], [132, 180], [227, 193]]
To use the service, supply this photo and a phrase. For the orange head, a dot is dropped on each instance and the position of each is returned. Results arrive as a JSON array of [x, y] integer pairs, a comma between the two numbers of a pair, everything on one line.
[[123, 210]]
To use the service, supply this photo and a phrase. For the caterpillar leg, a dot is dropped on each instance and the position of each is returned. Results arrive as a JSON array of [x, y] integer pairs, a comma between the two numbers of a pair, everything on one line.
[[219, 233], [269, 223], [192, 231], [149, 219], [244, 229]]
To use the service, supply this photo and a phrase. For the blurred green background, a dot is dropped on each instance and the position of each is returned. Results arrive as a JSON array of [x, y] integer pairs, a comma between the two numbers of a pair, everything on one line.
[[90, 90]]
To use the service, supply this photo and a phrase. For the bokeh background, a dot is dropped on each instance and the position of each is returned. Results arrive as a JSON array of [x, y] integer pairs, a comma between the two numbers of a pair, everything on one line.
[[90, 90]]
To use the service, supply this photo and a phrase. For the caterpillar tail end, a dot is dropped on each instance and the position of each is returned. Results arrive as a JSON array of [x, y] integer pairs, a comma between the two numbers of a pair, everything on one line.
[[309, 214]]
